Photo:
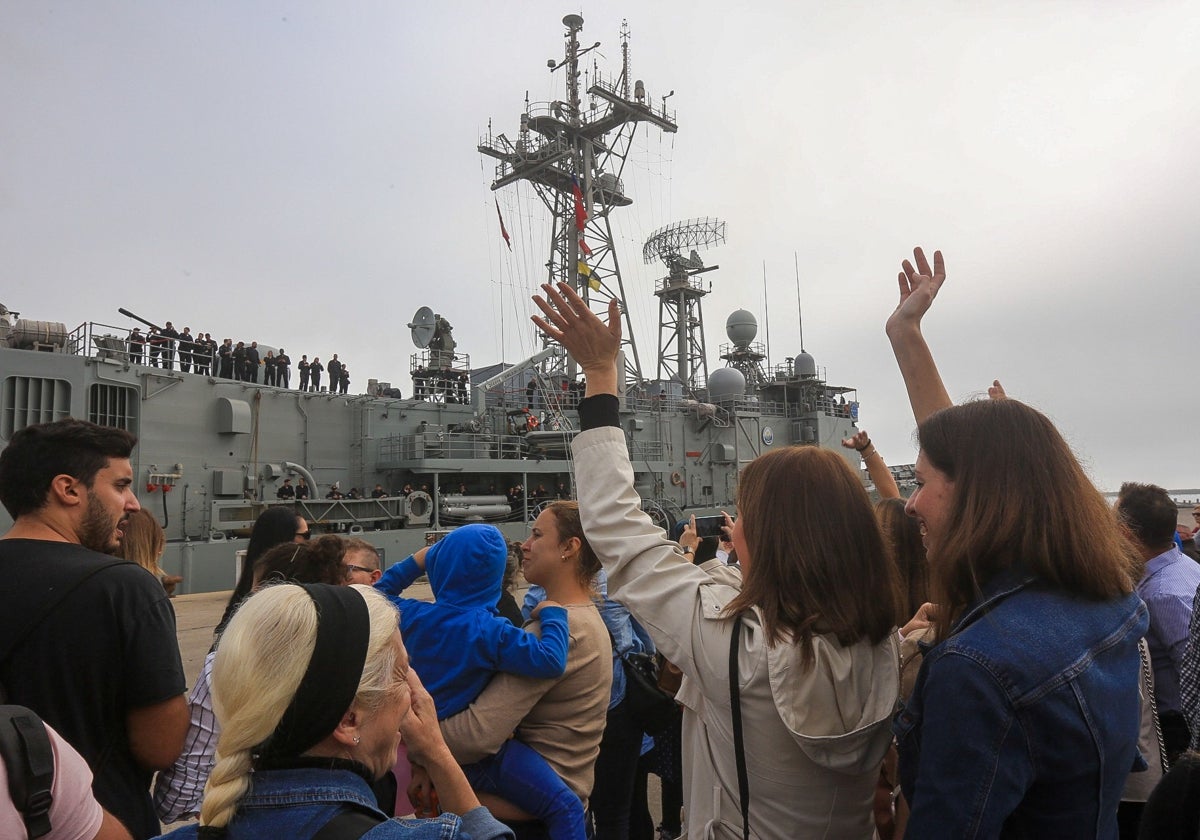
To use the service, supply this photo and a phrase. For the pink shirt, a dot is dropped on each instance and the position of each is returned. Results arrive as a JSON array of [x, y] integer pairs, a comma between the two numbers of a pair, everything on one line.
[[75, 814]]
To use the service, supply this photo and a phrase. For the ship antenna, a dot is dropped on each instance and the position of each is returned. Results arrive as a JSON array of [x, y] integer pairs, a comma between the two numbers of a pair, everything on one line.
[[625, 59], [574, 159], [799, 308], [767, 309]]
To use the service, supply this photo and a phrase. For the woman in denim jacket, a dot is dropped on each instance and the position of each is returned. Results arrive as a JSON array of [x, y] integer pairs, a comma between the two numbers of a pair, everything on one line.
[[314, 692], [1024, 718]]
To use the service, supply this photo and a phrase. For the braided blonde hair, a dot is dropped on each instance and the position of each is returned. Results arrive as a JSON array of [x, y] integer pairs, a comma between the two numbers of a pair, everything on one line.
[[262, 658]]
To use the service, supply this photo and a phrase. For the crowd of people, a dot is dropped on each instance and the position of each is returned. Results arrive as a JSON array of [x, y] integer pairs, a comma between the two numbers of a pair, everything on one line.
[[164, 347], [1001, 655]]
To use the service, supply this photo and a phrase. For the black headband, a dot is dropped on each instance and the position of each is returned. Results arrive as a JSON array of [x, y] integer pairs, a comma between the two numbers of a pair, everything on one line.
[[333, 674]]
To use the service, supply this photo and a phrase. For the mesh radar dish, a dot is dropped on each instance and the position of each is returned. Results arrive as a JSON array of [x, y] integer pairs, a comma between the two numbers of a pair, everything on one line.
[[423, 325], [666, 243]]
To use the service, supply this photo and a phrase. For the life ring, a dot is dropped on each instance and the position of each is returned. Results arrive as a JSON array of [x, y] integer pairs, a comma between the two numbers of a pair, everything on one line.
[[532, 423], [676, 479]]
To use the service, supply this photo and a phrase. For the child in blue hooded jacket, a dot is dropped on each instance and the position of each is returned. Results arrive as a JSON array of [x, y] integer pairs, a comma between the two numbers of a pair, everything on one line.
[[459, 641]]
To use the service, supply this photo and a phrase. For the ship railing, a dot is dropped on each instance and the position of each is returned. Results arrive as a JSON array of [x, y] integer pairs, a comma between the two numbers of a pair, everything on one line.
[[398, 451], [672, 283], [101, 341], [441, 376], [237, 515], [645, 450], [614, 87]]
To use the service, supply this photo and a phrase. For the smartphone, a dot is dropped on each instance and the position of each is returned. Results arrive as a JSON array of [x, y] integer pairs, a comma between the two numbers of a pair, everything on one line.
[[710, 526]]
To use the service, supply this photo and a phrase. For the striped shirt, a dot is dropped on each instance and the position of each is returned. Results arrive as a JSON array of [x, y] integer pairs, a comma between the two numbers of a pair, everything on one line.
[[1168, 587]]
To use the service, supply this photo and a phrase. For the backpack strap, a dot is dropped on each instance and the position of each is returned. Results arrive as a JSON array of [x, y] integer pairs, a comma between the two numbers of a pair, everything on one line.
[[739, 746], [49, 607], [29, 758], [349, 825]]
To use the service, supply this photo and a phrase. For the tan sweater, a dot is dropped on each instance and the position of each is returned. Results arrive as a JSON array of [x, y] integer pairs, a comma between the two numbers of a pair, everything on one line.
[[562, 718]]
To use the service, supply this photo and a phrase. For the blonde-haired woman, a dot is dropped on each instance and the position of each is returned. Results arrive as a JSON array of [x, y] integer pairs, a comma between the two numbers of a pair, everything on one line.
[[143, 543], [314, 693]]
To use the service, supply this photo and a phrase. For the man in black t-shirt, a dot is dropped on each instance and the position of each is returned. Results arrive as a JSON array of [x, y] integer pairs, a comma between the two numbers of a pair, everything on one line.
[[90, 641]]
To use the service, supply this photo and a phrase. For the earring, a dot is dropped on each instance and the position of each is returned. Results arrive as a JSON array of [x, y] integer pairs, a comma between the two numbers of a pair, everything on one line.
[[357, 740]]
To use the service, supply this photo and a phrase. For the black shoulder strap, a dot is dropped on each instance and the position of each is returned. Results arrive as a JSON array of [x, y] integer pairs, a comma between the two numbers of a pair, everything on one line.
[[52, 602], [29, 759], [739, 746], [348, 825]]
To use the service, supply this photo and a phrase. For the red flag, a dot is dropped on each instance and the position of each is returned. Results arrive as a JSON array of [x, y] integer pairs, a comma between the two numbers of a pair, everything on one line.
[[503, 230], [583, 246], [580, 211]]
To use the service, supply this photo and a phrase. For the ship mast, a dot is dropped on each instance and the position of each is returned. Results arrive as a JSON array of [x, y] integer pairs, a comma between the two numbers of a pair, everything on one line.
[[574, 159]]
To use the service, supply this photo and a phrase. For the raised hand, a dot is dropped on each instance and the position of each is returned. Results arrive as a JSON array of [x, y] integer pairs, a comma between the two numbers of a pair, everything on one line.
[[858, 441], [918, 287], [996, 391], [591, 343]]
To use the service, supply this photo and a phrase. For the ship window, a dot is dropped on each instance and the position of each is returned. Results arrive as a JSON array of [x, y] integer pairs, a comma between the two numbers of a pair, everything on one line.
[[27, 400], [113, 405]]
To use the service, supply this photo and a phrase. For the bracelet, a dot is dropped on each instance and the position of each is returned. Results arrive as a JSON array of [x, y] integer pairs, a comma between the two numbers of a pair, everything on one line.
[[864, 447], [866, 455], [691, 549]]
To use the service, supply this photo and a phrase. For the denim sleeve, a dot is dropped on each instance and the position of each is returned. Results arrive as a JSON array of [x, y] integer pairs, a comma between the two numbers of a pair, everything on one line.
[[399, 577], [521, 652], [479, 824], [973, 764]]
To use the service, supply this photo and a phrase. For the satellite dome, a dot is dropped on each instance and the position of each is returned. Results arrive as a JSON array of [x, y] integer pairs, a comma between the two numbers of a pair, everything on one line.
[[726, 384], [804, 364], [741, 327]]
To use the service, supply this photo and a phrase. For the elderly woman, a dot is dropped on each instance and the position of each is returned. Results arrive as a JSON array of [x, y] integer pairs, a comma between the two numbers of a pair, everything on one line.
[[791, 678], [178, 791], [314, 693]]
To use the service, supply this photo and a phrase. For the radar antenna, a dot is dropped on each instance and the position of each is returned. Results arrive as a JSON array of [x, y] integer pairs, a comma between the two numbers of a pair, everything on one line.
[[574, 158], [681, 353]]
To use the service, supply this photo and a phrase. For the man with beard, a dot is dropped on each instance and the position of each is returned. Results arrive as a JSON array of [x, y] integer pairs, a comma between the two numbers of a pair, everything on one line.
[[89, 641]]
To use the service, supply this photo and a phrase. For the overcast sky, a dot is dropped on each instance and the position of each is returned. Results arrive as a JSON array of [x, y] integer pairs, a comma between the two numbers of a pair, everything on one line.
[[305, 174]]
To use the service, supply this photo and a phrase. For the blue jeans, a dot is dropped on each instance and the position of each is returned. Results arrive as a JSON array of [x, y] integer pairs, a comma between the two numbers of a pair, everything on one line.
[[521, 776]]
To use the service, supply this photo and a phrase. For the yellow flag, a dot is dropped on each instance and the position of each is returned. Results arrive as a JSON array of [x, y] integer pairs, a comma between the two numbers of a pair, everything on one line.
[[592, 280]]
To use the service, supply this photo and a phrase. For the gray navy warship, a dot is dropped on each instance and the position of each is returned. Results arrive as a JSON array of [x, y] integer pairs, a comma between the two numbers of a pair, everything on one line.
[[466, 443]]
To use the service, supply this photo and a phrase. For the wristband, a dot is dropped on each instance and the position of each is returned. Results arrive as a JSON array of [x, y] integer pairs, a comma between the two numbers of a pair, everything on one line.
[[863, 448]]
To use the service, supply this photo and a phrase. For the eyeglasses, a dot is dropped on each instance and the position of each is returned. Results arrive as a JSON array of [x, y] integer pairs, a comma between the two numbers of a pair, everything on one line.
[[351, 567], [304, 535]]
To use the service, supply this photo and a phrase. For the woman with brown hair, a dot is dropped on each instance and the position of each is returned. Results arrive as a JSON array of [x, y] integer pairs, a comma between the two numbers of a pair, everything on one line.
[[791, 745], [562, 718], [1024, 717]]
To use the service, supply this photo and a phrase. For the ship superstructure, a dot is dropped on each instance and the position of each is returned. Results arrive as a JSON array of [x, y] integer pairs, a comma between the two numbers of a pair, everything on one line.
[[463, 442]]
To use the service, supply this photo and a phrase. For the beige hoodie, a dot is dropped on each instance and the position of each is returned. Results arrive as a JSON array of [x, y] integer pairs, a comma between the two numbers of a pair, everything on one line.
[[814, 737]]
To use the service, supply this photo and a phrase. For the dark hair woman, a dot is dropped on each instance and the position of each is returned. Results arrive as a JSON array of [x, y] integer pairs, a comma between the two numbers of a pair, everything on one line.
[[807, 625], [274, 525], [1024, 717]]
